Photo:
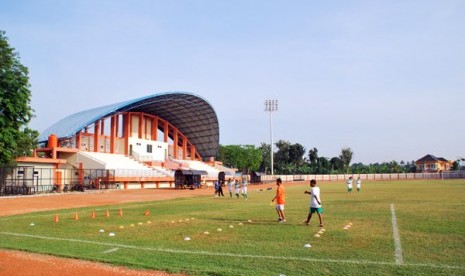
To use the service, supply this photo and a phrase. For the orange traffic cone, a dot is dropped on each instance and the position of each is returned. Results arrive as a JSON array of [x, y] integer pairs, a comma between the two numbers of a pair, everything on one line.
[[147, 213], [121, 212], [76, 217], [56, 218], [93, 214], [107, 214]]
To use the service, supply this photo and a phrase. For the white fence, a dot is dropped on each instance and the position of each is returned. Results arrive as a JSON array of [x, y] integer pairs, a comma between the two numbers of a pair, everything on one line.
[[374, 177]]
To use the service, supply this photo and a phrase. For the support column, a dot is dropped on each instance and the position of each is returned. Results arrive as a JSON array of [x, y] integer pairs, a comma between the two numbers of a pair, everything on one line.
[[192, 152], [102, 127], [126, 132], [57, 177], [175, 143], [117, 125], [96, 135], [141, 126], [78, 140], [184, 147], [112, 134], [80, 174], [155, 129], [165, 131]]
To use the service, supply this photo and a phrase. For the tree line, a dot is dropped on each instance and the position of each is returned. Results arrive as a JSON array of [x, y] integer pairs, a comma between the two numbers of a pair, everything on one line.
[[292, 158]]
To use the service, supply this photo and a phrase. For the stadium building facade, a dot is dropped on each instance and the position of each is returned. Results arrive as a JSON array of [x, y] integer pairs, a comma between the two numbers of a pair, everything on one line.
[[138, 143]]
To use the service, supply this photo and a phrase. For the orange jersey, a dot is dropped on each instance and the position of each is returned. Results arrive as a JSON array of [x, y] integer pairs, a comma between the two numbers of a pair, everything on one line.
[[280, 195]]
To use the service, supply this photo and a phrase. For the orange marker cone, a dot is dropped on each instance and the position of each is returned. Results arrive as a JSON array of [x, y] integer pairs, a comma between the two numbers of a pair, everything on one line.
[[121, 212], [56, 218], [107, 214], [93, 214], [147, 213], [76, 217]]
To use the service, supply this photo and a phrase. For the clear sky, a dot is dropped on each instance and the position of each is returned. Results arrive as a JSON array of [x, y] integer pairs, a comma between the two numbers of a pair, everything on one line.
[[385, 78]]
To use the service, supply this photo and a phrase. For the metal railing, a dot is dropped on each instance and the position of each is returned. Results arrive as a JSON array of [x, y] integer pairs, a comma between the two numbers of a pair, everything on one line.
[[27, 180]]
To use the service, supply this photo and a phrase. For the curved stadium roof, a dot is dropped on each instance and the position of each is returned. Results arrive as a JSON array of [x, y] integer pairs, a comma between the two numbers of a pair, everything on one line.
[[191, 114]]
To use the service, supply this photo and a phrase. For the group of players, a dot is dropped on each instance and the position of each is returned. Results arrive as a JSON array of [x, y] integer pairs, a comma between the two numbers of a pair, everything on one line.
[[240, 188], [233, 186], [358, 184]]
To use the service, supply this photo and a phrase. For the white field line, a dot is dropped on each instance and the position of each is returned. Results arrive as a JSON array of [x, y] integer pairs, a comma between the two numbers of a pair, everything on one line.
[[235, 255], [111, 250], [395, 230]]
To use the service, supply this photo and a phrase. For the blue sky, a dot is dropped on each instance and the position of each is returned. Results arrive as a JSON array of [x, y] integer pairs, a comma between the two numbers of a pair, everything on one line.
[[385, 78]]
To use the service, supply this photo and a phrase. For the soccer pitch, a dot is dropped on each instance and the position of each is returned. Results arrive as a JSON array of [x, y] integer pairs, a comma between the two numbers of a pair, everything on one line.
[[398, 227]]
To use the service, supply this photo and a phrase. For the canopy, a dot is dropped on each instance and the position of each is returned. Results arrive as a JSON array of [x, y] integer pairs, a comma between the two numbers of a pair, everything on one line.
[[191, 114]]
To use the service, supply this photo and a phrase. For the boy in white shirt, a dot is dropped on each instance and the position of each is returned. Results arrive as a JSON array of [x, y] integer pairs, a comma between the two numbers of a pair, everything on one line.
[[349, 184], [358, 184], [315, 203], [230, 187], [244, 188], [237, 185]]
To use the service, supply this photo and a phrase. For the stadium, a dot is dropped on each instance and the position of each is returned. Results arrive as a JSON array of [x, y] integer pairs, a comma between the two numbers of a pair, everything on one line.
[[161, 140]]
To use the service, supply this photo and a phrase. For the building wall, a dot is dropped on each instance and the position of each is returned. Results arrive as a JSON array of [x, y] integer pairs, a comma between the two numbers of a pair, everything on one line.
[[140, 147], [433, 166]]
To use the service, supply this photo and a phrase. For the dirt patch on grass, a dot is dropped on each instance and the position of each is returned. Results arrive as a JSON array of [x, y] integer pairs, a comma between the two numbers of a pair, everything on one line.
[[23, 263]]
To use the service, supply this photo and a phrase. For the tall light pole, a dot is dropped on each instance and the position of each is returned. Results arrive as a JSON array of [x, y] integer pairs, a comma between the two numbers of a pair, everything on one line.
[[270, 106]]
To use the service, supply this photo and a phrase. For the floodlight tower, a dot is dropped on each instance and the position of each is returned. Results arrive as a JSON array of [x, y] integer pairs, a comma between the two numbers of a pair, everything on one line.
[[271, 106]]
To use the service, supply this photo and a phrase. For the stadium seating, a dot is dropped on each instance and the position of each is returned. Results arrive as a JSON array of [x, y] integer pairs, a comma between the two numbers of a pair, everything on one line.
[[123, 165]]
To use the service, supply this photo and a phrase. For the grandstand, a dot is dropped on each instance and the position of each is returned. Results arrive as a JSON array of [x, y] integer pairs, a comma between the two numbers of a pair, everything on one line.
[[141, 141], [121, 164]]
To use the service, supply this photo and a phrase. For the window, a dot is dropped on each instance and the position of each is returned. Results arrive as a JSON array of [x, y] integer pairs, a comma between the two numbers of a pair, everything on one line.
[[149, 148]]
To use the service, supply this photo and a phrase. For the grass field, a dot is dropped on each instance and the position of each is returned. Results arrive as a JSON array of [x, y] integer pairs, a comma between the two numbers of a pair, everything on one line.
[[430, 217]]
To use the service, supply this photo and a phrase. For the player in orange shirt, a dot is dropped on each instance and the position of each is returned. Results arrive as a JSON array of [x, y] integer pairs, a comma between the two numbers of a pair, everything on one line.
[[280, 200]]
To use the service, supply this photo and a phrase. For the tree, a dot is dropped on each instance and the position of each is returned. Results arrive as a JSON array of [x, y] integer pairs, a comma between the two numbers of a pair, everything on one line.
[[15, 110], [296, 154], [324, 166], [394, 167], [265, 165], [457, 163], [359, 168], [245, 158], [346, 157], [337, 165], [289, 158], [313, 155], [251, 158], [282, 155], [27, 142]]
